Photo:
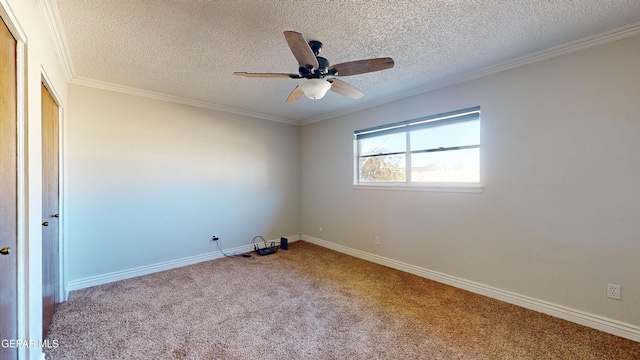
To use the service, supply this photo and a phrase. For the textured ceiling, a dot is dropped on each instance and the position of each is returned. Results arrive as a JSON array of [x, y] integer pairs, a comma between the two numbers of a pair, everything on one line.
[[190, 49]]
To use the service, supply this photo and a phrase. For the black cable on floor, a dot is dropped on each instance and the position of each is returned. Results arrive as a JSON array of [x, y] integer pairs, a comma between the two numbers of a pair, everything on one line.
[[232, 255]]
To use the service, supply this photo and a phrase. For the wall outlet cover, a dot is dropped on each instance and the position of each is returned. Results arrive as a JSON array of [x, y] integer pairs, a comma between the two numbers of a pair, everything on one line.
[[614, 291]]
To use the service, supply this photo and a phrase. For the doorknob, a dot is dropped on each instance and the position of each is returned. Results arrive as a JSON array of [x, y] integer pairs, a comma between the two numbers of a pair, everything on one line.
[[56, 215], [46, 223], [5, 251]]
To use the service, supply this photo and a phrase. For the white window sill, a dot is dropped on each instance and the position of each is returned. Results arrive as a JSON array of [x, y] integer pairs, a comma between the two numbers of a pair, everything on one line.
[[445, 188]]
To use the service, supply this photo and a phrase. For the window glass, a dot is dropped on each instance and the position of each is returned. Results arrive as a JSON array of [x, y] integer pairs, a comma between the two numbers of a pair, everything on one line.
[[465, 133], [443, 148], [385, 144], [446, 166], [385, 168]]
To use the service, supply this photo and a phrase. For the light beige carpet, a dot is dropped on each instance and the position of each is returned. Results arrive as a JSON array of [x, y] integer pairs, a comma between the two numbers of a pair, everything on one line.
[[309, 303]]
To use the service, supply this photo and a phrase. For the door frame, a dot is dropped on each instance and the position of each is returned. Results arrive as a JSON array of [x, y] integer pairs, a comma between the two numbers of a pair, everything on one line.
[[44, 79], [13, 25]]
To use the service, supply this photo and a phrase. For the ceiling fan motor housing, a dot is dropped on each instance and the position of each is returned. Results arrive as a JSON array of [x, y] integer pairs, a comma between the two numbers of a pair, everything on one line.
[[323, 64], [319, 73]]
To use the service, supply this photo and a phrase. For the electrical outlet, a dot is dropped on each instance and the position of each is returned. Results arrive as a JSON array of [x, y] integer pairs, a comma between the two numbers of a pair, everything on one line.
[[214, 238], [614, 291], [377, 240]]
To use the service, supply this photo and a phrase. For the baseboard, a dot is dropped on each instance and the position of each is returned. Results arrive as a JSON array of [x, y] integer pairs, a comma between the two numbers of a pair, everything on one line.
[[153, 268], [611, 326]]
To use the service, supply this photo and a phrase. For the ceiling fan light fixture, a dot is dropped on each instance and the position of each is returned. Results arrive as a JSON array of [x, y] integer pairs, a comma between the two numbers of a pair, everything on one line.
[[315, 88]]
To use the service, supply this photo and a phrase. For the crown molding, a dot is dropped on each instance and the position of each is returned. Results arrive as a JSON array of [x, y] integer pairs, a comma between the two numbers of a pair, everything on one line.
[[53, 23], [564, 49], [175, 99]]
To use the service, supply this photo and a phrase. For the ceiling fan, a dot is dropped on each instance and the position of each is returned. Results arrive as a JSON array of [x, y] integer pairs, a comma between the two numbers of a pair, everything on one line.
[[314, 69]]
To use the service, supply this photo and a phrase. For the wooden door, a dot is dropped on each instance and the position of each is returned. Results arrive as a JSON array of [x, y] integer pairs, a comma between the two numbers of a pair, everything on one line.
[[8, 193], [50, 211]]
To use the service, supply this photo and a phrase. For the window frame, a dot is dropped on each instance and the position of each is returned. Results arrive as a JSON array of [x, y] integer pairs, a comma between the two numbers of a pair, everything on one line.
[[407, 127]]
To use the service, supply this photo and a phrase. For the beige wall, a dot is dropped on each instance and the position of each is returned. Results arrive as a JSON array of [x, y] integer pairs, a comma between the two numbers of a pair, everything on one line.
[[559, 217], [151, 181]]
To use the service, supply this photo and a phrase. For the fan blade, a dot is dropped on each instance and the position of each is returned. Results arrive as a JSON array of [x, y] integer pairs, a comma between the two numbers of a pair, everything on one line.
[[301, 50], [361, 66], [345, 89], [295, 95], [268, 75]]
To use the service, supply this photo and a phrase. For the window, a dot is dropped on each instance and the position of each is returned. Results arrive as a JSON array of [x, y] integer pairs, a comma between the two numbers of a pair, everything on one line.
[[439, 149]]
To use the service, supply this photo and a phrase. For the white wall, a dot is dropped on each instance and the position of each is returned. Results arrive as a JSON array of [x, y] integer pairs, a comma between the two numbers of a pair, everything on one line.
[[38, 60], [150, 181], [559, 217]]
